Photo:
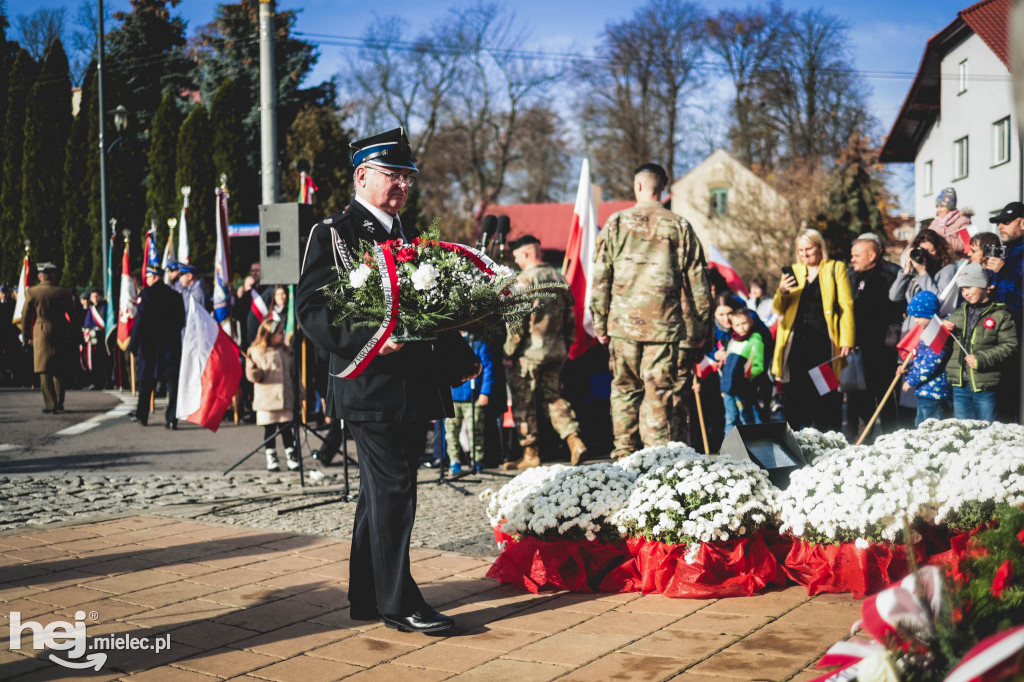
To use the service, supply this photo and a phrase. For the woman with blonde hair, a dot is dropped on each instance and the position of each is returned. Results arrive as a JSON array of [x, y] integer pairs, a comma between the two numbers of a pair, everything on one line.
[[269, 367], [815, 306]]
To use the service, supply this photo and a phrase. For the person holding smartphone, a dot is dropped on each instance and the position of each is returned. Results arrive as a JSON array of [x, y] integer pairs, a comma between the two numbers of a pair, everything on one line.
[[815, 304]]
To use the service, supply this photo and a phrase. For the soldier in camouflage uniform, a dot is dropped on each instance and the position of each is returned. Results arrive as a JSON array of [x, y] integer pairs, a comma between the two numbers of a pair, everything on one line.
[[534, 359], [650, 301]]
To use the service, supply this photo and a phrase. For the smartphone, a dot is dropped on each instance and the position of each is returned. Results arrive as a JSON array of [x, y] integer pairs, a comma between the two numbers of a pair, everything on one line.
[[788, 270]]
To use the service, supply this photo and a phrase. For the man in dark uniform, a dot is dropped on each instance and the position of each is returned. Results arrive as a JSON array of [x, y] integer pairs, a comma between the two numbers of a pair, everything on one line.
[[156, 341], [50, 322], [387, 404]]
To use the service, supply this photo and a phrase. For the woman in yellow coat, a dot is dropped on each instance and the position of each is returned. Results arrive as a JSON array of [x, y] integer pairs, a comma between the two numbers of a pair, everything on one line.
[[815, 305]]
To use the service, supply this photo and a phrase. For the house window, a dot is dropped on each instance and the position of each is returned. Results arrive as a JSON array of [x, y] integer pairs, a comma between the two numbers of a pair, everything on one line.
[[927, 178], [719, 202], [1001, 141], [961, 77], [960, 149]]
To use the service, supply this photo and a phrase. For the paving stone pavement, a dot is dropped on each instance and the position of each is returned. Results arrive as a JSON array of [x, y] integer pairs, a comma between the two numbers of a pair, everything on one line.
[[260, 605], [449, 516]]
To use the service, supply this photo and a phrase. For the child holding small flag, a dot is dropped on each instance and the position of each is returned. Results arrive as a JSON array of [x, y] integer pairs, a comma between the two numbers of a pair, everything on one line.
[[928, 373], [744, 364], [986, 338]]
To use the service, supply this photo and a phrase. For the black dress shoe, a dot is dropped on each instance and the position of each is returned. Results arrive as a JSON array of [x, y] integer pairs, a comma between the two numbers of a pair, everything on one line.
[[173, 426], [323, 459], [47, 410], [58, 410], [424, 620], [363, 613]]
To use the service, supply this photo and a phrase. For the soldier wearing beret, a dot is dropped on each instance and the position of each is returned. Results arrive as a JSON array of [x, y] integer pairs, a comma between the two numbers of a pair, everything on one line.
[[651, 305], [50, 322], [387, 405], [535, 357]]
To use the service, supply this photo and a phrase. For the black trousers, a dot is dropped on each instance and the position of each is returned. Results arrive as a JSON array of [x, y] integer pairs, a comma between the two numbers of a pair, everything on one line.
[[379, 574], [287, 435], [146, 388], [860, 405], [806, 407]]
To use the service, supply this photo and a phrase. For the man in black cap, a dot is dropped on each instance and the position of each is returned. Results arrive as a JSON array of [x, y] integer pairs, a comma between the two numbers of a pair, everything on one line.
[[387, 405], [156, 341], [190, 286], [1008, 290], [50, 322]]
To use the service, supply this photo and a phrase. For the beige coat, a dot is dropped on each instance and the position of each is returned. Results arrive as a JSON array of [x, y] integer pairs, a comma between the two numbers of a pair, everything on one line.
[[270, 371], [50, 320]]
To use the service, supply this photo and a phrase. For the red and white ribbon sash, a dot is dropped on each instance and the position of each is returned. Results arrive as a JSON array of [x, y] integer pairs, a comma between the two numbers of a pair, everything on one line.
[[389, 282], [97, 318]]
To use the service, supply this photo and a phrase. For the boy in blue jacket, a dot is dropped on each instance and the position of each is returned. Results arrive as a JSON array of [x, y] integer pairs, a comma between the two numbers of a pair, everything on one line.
[[470, 400], [928, 373]]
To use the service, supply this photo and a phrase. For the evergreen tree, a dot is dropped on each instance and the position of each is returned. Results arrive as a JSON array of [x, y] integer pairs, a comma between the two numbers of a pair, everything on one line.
[[318, 137], [22, 76], [853, 197], [47, 126], [8, 52], [163, 195], [76, 226], [195, 169]]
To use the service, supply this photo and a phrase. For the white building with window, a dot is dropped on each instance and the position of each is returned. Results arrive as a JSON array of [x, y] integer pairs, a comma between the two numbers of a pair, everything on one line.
[[957, 124]]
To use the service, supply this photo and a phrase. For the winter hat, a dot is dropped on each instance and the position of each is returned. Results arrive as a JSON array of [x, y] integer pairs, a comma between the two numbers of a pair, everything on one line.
[[947, 198], [924, 304], [972, 275]]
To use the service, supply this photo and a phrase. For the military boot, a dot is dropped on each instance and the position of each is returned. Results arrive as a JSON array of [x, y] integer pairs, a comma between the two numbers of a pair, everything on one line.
[[577, 450], [530, 459]]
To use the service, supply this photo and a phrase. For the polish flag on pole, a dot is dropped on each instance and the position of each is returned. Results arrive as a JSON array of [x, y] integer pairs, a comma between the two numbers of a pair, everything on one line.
[[210, 371], [126, 307], [824, 378], [717, 261], [23, 285], [579, 261], [705, 368], [258, 306], [222, 261], [908, 344], [183, 251], [168, 250], [149, 254], [934, 335]]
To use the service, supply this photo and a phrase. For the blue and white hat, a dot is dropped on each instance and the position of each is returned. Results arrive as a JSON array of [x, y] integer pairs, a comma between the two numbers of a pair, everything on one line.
[[390, 149]]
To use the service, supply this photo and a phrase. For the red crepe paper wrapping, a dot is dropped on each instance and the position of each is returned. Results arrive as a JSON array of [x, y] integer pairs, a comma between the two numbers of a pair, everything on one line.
[[846, 567], [576, 565], [740, 567]]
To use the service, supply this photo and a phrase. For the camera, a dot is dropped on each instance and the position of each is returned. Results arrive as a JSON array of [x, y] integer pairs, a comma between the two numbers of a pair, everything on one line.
[[994, 251], [918, 255]]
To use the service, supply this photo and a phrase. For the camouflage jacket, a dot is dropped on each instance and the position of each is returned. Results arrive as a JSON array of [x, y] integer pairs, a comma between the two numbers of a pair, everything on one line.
[[552, 325], [650, 279]]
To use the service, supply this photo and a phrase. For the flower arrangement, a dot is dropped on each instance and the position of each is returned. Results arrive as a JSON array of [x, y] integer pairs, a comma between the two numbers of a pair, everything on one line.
[[699, 499], [814, 444], [432, 286], [504, 502], [655, 456]]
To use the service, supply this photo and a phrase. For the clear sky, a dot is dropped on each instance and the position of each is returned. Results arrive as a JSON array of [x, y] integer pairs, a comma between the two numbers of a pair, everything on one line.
[[887, 37]]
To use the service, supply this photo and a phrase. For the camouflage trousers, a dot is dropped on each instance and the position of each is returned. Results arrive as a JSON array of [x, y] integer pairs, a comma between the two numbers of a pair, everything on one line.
[[465, 412], [530, 383], [643, 389]]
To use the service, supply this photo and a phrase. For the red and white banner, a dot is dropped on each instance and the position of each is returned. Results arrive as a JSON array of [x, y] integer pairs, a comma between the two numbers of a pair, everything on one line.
[[389, 281], [988, 655], [579, 262], [126, 306], [210, 371], [935, 335], [719, 262], [908, 344], [183, 250], [23, 285], [705, 368], [306, 188], [258, 306], [824, 378]]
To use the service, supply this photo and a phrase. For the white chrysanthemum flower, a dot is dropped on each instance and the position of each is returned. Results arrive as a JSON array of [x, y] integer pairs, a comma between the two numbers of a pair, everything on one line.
[[425, 277], [357, 278]]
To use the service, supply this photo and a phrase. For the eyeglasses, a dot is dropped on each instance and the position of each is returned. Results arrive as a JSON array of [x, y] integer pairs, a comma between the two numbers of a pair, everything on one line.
[[395, 178]]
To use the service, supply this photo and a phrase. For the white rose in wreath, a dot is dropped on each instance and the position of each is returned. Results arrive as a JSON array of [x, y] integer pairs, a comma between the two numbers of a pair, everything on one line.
[[357, 278], [877, 668], [425, 277]]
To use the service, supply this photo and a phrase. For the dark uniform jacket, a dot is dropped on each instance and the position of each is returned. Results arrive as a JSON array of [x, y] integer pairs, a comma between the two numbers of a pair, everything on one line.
[[874, 312], [411, 384], [156, 334], [51, 319]]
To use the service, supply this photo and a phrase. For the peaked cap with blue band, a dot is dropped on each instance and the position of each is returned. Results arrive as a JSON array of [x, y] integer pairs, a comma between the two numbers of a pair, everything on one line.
[[390, 149]]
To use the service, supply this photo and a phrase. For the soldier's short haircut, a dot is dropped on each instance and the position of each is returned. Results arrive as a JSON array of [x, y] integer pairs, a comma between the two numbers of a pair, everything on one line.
[[655, 172]]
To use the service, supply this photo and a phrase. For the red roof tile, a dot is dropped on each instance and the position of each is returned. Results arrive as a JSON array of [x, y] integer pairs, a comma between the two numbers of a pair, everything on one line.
[[990, 19], [550, 223]]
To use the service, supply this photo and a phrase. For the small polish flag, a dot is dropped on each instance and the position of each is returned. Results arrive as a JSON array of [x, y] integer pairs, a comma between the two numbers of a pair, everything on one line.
[[717, 261], [824, 378], [210, 371], [258, 306], [934, 335], [908, 344], [705, 368]]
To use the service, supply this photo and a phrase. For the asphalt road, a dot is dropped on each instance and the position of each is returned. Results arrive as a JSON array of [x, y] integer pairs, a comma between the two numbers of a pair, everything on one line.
[[94, 433]]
